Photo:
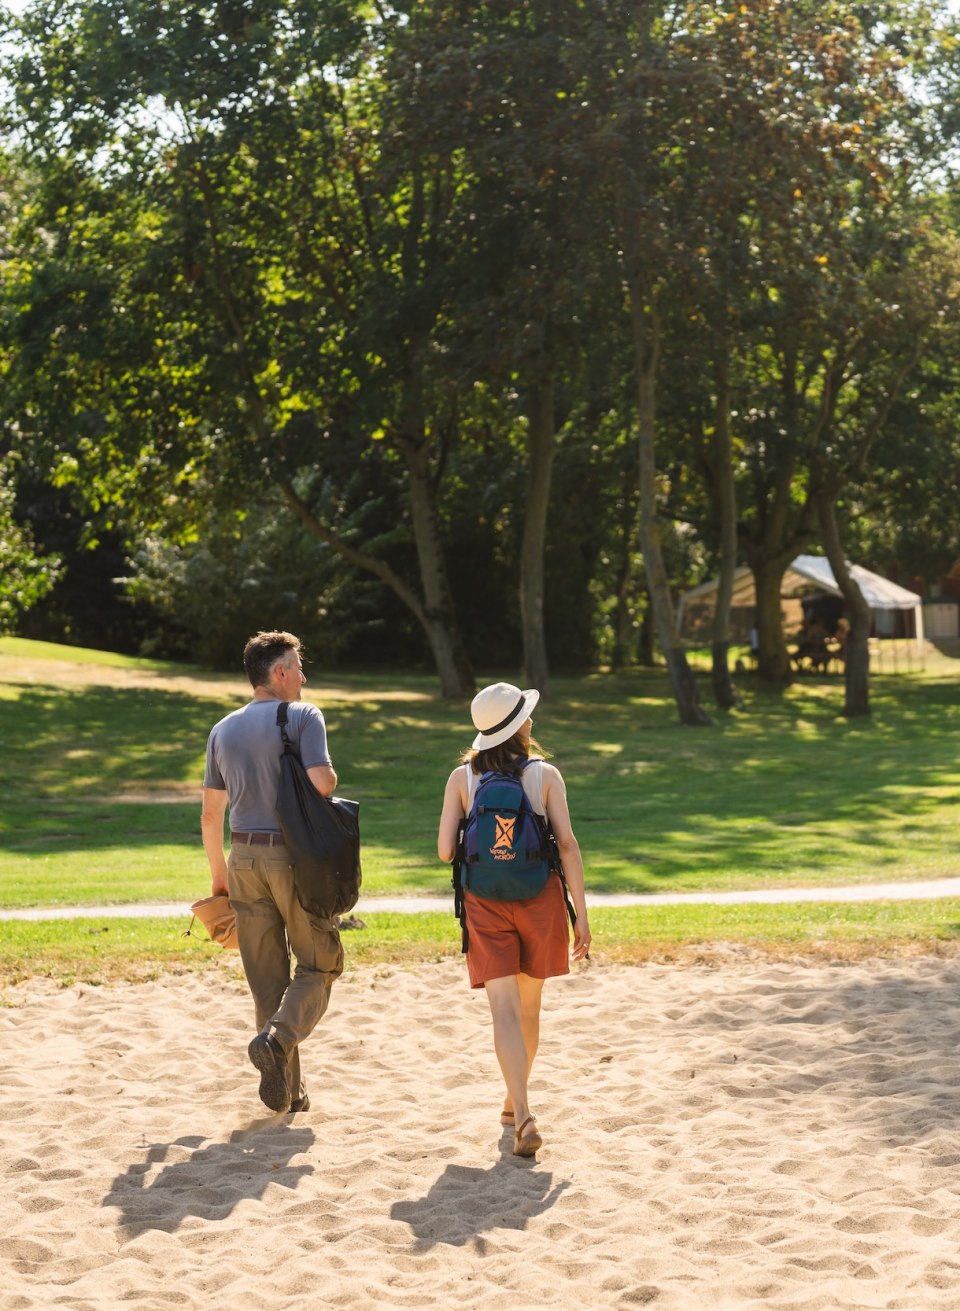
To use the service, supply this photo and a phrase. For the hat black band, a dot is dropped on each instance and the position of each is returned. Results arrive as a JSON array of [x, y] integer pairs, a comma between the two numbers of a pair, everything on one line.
[[488, 732]]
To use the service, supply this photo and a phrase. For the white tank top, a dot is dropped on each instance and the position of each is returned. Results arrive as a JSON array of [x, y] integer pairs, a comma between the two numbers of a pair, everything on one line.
[[531, 778]]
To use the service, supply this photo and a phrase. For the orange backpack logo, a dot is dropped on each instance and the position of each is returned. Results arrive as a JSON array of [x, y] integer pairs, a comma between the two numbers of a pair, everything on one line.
[[502, 848]]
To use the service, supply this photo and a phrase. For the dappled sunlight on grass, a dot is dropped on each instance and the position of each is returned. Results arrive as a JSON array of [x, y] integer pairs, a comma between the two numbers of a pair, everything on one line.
[[783, 791], [125, 736]]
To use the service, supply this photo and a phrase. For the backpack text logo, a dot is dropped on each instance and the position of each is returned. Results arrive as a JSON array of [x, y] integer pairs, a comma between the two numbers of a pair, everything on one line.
[[502, 848]]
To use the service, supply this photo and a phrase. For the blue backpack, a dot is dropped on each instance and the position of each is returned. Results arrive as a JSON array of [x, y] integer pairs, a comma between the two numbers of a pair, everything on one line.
[[505, 850]]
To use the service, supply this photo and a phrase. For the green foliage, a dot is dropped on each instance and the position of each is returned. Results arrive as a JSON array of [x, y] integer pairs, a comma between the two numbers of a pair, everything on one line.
[[803, 258], [901, 518], [234, 345], [25, 576], [252, 570], [282, 276]]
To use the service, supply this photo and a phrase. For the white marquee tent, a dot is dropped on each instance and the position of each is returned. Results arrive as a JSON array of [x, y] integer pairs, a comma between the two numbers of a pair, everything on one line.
[[806, 576]]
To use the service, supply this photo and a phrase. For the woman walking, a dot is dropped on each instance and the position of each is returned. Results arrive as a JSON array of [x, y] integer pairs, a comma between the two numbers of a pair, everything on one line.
[[514, 945]]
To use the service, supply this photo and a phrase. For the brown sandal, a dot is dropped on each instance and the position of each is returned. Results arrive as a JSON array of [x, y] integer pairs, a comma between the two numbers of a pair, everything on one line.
[[506, 1117], [529, 1145]]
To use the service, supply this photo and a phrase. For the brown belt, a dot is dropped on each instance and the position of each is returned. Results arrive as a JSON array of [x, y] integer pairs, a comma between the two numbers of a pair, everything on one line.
[[258, 839]]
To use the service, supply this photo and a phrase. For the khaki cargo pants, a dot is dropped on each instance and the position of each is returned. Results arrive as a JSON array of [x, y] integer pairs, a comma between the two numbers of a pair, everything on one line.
[[272, 925]]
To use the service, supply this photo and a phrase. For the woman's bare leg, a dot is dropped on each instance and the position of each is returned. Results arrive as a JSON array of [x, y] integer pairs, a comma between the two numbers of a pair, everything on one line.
[[528, 994], [531, 991], [503, 996]]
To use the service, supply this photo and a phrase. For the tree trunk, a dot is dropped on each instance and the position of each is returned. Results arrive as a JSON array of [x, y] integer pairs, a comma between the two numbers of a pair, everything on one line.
[[724, 692], [646, 344], [856, 665], [540, 451], [624, 652], [773, 661], [439, 617], [645, 655]]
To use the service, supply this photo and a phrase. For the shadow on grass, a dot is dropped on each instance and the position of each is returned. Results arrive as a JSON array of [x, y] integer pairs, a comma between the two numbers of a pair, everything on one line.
[[63, 741]]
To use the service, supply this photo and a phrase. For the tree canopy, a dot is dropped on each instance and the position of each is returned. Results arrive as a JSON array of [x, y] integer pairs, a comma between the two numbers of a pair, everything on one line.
[[481, 329]]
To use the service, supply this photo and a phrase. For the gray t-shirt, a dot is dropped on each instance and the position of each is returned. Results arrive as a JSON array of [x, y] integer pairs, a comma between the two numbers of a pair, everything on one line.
[[243, 758]]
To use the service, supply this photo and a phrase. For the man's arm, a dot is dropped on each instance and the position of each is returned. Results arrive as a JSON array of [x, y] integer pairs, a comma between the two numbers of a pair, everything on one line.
[[211, 827], [324, 779]]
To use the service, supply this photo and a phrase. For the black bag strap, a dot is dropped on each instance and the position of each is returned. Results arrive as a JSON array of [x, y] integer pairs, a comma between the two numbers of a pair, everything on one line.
[[456, 867], [557, 865], [282, 724], [459, 904]]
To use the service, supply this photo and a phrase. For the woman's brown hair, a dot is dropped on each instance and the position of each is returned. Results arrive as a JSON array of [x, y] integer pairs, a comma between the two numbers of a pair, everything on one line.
[[507, 758]]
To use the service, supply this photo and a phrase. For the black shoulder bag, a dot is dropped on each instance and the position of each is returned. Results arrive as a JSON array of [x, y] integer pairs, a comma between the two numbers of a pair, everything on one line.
[[322, 835]]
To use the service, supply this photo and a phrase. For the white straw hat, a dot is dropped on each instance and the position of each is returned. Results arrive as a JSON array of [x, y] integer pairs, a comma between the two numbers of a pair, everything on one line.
[[498, 711]]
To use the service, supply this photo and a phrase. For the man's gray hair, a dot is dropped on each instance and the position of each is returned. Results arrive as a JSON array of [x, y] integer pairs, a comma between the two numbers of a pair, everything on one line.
[[263, 651]]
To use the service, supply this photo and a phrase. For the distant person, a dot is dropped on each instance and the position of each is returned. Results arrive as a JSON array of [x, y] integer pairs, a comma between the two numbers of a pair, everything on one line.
[[754, 640], [513, 946], [243, 771]]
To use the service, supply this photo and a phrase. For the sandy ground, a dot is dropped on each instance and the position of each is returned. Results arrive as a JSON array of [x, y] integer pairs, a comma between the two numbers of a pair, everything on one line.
[[753, 1135]]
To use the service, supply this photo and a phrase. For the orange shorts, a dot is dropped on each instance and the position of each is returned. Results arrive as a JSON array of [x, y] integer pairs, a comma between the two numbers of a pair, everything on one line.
[[518, 937]]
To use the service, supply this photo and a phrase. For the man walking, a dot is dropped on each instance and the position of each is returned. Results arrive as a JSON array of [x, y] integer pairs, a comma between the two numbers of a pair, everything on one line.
[[243, 771]]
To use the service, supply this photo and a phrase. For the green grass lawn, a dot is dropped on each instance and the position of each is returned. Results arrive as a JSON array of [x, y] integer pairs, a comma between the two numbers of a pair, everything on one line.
[[98, 950], [101, 762], [101, 766]]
